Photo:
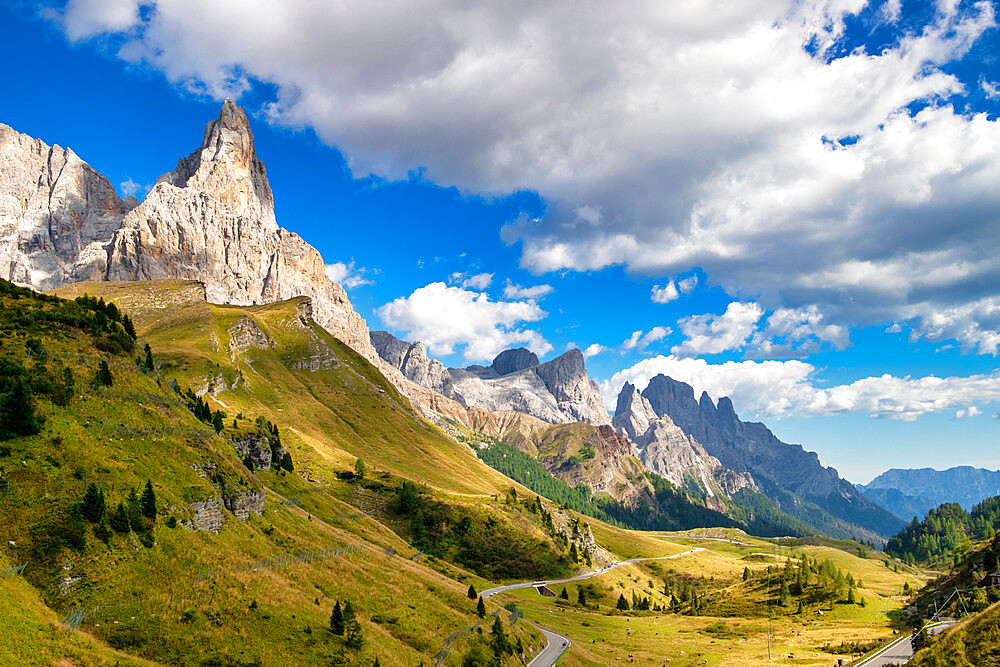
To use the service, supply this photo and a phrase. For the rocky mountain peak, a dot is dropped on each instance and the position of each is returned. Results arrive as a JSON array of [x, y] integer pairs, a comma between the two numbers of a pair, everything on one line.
[[633, 413], [226, 167], [512, 361], [412, 361]]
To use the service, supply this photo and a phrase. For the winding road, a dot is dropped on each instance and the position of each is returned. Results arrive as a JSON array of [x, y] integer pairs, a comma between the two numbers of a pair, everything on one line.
[[900, 651], [557, 644]]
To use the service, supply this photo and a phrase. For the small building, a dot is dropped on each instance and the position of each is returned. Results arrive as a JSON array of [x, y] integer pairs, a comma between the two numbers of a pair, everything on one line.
[[991, 580]]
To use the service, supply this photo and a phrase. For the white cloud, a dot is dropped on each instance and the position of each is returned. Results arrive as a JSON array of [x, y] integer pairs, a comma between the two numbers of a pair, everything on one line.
[[130, 188], [593, 349], [349, 275], [991, 89], [642, 341], [479, 281], [965, 413], [596, 108], [895, 327], [447, 317], [664, 294], [796, 333], [512, 291], [688, 284], [776, 389], [712, 334]]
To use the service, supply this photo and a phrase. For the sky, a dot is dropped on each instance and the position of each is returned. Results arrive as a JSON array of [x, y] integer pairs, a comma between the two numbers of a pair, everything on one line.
[[792, 203]]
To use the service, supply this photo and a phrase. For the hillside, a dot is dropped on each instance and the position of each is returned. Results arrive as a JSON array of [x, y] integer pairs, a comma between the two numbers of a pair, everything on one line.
[[239, 564]]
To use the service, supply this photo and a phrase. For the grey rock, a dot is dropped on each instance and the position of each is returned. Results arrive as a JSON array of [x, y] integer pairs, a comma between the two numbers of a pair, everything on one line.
[[242, 505], [257, 447], [411, 359], [208, 514], [511, 361]]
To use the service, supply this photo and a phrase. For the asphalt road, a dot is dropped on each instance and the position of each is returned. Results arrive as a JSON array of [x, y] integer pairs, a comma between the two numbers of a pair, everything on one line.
[[557, 644], [900, 651]]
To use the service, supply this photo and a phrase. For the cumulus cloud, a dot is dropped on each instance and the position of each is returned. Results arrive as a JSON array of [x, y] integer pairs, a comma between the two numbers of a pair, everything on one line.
[[712, 334], [802, 170], [664, 294], [776, 389], [642, 341], [593, 349], [512, 291], [687, 285], [448, 317], [795, 333], [347, 274]]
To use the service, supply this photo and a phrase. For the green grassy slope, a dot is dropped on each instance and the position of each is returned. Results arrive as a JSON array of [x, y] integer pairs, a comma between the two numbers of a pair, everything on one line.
[[157, 603]]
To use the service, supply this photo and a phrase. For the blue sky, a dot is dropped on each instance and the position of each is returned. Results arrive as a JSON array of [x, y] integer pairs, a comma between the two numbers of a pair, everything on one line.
[[791, 203]]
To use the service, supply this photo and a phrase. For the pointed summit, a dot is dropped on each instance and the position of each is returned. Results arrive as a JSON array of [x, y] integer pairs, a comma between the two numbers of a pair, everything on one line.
[[226, 167]]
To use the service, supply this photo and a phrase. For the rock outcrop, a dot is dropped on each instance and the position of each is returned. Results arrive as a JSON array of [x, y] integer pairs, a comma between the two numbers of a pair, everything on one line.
[[412, 361], [664, 448], [752, 448]]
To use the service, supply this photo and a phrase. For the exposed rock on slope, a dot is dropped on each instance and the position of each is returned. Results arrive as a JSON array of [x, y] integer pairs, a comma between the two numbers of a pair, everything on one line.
[[753, 448], [664, 448]]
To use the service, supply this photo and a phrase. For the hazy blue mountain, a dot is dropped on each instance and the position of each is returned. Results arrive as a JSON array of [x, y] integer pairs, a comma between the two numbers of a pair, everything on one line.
[[911, 492]]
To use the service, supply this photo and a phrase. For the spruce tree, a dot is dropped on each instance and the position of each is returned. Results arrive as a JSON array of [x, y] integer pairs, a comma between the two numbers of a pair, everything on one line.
[[129, 327], [17, 411], [147, 361], [481, 608], [352, 628], [581, 598], [564, 595], [573, 555], [498, 639], [746, 574], [360, 468], [93, 506], [622, 603], [119, 519], [286, 462], [134, 507], [472, 592], [103, 377], [148, 501], [217, 421], [337, 620]]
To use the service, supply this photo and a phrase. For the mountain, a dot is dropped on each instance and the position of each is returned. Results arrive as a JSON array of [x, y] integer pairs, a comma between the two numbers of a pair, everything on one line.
[[664, 448], [779, 469], [912, 492], [211, 219], [558, 391]]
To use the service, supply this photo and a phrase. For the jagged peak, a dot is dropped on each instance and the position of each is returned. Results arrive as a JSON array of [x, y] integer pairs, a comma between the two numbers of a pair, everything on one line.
[[514, 360]]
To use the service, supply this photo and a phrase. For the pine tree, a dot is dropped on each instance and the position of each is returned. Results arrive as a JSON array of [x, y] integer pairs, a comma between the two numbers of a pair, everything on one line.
[[337, 620], [472, 592], [129, 327], [850, 596], [93, 506], [119, 519], [574, 556], [147, 361], [622, 603], [134, 506], [286, 462], [799, 610], [103, 377], [102, 532], [148, 501], [352, 628], [498, 639], [17, 411], [784, 594], [217, 421], [746, 573], [481, 608], [581, 598], [360, 468]]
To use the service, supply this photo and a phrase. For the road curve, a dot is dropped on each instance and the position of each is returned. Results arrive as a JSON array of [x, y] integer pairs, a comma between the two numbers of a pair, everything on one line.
[[530, 584], [900, 651], [558, 644]]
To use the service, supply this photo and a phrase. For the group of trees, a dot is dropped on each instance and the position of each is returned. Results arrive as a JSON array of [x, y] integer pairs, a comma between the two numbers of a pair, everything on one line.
[[344, 623], [490, 650], [135, 513], [945, 533], [808, 580], [21, 383]]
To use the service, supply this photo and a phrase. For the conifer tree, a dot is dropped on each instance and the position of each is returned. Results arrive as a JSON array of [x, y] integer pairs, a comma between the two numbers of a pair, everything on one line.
[[134, 507], [17, 411], [581, 598], [119, 519], [103, 377], [93, 506], [746, 573], [564, 595], [481, 608], [352, 628], [498, 639], [147, 360], [337, 620], [360, 468], [148, 501], [622, 603], [472, 592], [217, 421], [573, 555]]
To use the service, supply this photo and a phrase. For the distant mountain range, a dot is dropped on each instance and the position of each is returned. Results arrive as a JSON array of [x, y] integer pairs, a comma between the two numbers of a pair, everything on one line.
[[909, 493]]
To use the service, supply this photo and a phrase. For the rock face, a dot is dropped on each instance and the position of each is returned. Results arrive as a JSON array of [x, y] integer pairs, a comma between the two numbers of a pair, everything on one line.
[[664, 448], [558, 391], [57, 215], [752, 448], [211, 219], [411, 359]]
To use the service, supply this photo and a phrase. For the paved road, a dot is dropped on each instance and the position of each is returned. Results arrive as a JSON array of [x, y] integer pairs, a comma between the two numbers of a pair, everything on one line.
[[900, 651], [530, 584], [556, 646]]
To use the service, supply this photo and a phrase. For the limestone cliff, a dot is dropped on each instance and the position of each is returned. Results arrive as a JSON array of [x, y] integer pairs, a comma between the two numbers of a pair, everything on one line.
[[412, 361]]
